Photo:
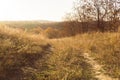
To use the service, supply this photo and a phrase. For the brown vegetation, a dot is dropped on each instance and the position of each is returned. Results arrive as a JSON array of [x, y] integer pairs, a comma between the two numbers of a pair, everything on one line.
[[37, 53], [18, 53], [100, 15], [25, 55]]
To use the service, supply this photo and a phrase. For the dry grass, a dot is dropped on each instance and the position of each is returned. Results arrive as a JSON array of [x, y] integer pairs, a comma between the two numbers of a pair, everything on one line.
[[20, 53], [28, 56], [105, 47]]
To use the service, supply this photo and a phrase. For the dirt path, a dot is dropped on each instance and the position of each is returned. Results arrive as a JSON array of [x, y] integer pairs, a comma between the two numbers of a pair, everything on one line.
[[97, 68]]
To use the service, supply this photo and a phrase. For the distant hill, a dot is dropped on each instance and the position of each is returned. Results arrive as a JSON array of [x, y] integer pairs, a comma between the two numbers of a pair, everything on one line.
[[31, 24]]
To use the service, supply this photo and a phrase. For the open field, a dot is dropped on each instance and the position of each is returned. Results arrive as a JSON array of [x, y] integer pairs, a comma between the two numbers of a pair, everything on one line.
[[28, 56], [31, 24], [59, 39], [103, 47]]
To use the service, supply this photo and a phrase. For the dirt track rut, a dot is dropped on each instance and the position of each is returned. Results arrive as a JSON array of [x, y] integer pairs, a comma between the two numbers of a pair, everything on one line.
[[97, 68]]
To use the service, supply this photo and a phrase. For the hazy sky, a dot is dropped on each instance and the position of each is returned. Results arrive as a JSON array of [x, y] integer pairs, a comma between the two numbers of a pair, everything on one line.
[[34, 9]]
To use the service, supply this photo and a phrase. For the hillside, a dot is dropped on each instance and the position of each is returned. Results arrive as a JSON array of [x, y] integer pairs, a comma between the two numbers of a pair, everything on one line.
[[20, 53], [32, 24], [27, 56], [101, 48]]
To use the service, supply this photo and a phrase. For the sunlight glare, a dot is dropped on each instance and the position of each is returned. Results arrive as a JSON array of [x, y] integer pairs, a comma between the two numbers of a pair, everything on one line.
[[34, 9]]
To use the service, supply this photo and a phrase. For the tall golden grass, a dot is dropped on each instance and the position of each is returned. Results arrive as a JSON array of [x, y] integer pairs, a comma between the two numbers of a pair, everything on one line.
[[20, 53], [105, 47], [29, 56]]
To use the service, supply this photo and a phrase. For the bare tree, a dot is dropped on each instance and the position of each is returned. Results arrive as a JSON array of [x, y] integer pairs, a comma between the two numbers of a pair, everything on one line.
[[99, 11]]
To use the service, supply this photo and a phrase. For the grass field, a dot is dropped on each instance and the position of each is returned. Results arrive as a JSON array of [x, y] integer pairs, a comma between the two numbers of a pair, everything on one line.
[[31, 24], [28, 56]]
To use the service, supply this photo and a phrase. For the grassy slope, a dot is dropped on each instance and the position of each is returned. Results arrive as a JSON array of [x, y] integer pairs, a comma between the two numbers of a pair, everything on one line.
[[32, 24], [105, 47], [67, 62], [20, 54], [25, 55]]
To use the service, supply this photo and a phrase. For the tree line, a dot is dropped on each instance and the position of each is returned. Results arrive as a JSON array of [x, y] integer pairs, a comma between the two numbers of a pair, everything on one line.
[[94, 15], [87, 16]]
